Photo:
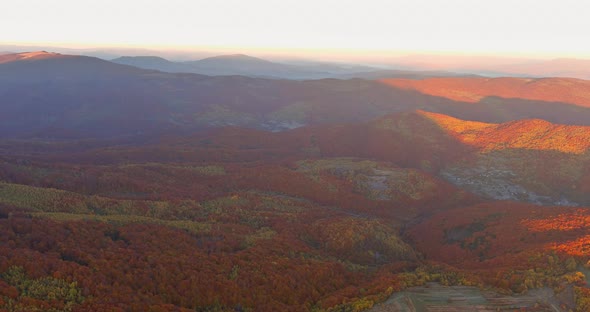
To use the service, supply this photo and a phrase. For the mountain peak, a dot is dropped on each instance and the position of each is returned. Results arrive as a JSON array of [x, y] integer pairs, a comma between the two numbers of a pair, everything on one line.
[[140, 57], [234, 57], [35, 55], [38, 54], [237, 55]]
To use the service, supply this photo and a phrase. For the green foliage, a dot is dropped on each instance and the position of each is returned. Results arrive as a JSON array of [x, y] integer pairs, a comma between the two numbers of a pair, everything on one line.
[[263, 233], [66, 294], [582, 295], [219, 204], [48, 200], [40, 199], [434, 273], [211, 170], [355, 306], [571, 264], [556, 272], [293, 112], [235, 271], [361, 241], [190, 226], [15, 276], [221, 115], [377, 181]]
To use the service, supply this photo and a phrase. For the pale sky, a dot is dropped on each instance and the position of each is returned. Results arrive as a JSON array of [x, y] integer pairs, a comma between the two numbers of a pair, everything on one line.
[[522, 27]]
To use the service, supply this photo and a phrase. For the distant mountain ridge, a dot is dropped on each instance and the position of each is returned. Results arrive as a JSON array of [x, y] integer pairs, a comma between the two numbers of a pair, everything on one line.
[[236, 58], [149, 62], [134, 188], [561, 67], [497, 66], [459, 64], [568, 90], [67, 96], [245, 65], [223, 65], [44, 66]]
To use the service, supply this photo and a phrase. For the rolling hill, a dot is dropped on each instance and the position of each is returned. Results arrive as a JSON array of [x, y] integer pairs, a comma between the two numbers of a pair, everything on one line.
[[152, 62], [241, 64], [530, 160], [325, 217], [476, 90], [63, 96], [561, 67], [226, 65], [496, 66], [245, 65]]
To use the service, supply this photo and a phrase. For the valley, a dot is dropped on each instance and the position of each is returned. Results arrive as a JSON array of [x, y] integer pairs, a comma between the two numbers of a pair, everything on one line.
[[130, 189]]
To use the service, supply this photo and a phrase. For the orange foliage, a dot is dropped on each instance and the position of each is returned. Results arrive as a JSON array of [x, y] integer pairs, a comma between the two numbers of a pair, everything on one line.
[[502, 233], [565, 90], [524, 134], [578, 247], [269, 236], [576, 220]]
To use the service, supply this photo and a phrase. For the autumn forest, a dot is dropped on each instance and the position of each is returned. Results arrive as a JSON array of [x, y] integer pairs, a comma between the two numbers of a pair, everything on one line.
[[138, 190]]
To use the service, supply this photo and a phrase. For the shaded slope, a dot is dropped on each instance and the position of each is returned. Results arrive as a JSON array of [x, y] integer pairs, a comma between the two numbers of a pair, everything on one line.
[[511, 246], [58, 96], [240, 64], [530, 160], [152, 62], [41, 66]]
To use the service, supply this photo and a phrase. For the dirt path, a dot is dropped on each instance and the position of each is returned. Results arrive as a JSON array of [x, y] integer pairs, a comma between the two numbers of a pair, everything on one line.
[[437, 298]]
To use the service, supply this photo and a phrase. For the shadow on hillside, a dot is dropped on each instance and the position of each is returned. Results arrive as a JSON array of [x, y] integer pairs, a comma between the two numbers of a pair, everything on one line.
[[495, 109], [103, 107]]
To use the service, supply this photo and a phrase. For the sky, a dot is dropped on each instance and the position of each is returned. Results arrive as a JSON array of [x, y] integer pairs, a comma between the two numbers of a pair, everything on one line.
[[490, 27]]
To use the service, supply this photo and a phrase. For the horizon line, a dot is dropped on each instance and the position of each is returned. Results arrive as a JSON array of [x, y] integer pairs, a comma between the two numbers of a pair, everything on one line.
[[299, 51]]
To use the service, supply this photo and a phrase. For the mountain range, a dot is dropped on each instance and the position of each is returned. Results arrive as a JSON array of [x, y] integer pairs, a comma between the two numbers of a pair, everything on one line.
[[411, 67], [136, 189], [54, 95], [240, 64], [497, 66], [432, 64]]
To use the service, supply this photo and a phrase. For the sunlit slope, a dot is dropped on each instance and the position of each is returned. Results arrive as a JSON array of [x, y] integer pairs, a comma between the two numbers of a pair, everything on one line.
[[532, 134], [475, 89], [530, 160]]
